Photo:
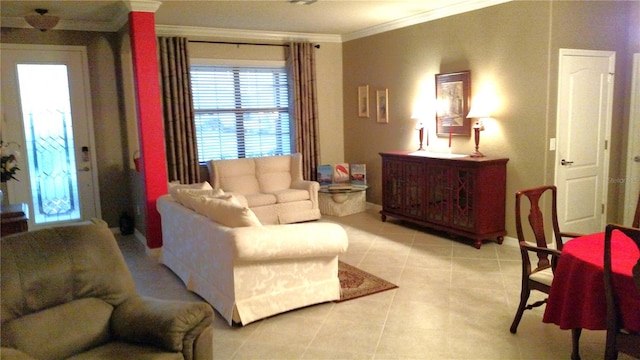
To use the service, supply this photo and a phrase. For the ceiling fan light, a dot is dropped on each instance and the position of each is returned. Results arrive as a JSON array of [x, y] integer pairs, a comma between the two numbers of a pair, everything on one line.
[[302, 2], [42, 21]]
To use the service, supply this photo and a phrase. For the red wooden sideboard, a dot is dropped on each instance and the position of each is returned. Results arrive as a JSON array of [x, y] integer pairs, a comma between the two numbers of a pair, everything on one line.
[[464, 196]]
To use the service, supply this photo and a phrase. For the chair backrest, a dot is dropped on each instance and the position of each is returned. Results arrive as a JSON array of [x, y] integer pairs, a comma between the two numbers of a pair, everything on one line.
[[536, 219], [614, 320], [49, 267]]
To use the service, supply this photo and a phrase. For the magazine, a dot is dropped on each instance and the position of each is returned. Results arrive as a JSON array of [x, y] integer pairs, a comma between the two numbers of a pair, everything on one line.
[[341, 173], [358, 174], [325, 173]]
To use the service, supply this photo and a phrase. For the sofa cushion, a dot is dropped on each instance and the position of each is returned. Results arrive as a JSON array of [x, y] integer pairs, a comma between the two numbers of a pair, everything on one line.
[[237, 175], [84, 323], [259, 199], [291, 195], [186, 196], [226, 212], [273, 173], [173, 188]]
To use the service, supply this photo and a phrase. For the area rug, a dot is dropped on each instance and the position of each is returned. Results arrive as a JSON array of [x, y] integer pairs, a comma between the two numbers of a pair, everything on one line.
[[355, 283]]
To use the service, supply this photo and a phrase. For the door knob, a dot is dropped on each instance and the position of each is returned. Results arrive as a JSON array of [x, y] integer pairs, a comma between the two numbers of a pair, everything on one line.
[[565, 162], [86, 168], [636, 158]]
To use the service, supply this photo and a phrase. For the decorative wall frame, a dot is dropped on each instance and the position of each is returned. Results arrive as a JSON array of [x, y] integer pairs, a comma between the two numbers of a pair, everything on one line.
[[453, 94], [363, 101], [382, 106]]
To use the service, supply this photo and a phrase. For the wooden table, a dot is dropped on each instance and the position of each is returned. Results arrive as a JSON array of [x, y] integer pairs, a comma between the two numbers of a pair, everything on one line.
[[15, 218], [577, 298]]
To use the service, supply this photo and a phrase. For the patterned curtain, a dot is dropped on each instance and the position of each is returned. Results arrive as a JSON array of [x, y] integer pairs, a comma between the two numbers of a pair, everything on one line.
[[301, 65], [177, 107]]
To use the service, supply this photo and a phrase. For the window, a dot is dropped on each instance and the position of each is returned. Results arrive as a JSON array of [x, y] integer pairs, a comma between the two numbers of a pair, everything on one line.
[[240, 111]]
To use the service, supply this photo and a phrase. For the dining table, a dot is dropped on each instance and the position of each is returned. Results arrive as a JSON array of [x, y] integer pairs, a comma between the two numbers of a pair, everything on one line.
[[577, 300]]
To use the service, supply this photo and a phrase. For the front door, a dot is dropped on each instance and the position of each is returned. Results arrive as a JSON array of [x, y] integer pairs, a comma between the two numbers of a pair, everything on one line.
[[585, 96], [46, 116]]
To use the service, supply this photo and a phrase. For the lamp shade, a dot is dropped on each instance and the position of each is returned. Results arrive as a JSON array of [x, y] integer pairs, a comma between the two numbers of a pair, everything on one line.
[[478, 111], [41, 20]]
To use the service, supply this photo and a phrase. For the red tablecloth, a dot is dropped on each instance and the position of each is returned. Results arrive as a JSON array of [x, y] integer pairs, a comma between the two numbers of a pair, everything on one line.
[[577, 299]]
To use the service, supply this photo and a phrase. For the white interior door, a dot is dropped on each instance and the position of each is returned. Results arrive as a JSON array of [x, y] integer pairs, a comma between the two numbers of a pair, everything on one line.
[[585, 95], [632, 181], [46, 113]]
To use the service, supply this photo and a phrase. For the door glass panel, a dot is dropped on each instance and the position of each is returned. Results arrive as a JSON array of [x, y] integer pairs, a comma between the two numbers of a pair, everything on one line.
[[46, 112]]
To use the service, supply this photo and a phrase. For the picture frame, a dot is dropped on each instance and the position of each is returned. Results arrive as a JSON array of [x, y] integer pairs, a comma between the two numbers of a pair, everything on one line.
[[453, 94], [382, 106], [363, 101]]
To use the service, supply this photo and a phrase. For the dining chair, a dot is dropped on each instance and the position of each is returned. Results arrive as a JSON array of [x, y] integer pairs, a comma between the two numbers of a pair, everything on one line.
[[540, 275], [618, 340]]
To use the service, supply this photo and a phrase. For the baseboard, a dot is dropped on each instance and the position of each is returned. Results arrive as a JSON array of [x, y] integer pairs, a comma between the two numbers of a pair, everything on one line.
[[155, 253], [373, 207]]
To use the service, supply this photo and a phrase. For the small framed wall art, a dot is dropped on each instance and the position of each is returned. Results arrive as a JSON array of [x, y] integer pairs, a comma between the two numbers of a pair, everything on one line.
[[382, 106], [453, 93], [363, 101]]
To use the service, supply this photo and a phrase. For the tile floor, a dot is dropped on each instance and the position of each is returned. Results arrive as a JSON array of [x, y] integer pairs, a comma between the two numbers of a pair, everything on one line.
[[453, 302]]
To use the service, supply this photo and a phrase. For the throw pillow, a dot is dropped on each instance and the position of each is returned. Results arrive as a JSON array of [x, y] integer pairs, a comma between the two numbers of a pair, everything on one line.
[[226, 212], [173, 188], [186, 197]]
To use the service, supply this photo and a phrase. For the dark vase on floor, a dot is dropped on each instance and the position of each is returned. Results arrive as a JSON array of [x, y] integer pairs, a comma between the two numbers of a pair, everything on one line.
[[126, 224]]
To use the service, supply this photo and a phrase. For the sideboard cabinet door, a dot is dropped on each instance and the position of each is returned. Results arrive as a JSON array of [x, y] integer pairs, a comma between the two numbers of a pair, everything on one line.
[[403, 190]]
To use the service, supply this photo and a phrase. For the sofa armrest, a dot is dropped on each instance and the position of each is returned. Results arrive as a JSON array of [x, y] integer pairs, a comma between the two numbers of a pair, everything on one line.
[[290, 241], [311, 186], [172, 325]]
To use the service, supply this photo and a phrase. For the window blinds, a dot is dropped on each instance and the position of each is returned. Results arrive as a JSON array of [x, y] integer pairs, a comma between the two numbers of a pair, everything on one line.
[[240, 111]]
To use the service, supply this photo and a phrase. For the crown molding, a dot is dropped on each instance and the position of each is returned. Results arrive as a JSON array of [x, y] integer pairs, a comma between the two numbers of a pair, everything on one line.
[[423, 17], [238, 34], [143, 5], [100, 26], [235, 34]]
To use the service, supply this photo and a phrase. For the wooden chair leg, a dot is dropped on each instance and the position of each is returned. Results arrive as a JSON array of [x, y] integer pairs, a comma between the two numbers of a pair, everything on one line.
[[610, 352], [575, 343], [524, 297]]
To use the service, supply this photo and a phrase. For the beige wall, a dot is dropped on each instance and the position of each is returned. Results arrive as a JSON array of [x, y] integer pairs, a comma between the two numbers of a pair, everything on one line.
[[511, 51]]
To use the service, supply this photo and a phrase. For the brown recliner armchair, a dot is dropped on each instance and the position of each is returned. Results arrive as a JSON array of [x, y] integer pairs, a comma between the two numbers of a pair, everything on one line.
[[67, 293]]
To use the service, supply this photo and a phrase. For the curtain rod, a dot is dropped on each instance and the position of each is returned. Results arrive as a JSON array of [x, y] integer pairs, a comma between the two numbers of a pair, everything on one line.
[[317, 46]]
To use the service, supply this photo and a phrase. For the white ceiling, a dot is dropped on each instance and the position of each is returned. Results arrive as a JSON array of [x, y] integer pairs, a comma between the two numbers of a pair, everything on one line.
[[329, 20]]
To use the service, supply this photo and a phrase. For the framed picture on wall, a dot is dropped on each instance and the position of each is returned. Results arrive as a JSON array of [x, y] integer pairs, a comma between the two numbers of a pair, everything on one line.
[[453, 93], [363, 101], [382, 106]]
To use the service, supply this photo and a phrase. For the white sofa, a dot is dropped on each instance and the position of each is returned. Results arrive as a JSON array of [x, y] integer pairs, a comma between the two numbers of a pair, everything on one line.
[[271, 186], [252, 272]]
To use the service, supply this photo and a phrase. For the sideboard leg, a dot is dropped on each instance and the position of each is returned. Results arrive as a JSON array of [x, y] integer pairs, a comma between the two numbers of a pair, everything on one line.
[[383, 217], [500, 239], [478, 243]]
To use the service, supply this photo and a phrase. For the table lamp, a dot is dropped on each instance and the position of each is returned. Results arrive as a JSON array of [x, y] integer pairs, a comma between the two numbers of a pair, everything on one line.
[[420, 128], [478, 112]]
